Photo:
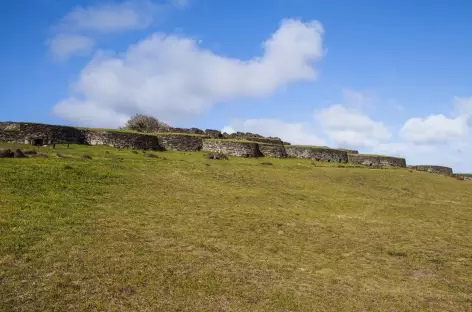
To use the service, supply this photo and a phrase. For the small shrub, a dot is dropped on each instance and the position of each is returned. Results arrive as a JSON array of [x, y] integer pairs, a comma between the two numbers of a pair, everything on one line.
[[266, 163], [40, 155], [85, 157], [134, 152], [67, 167], [151, 155], [144, 123], [59, 155]]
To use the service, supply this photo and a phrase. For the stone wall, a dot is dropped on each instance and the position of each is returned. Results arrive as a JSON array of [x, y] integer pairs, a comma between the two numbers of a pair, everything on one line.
[[376, 160], [123, 140], [316, 153], [180, 142], [233, 148], [39, 134], [433, 169], [269, 150]]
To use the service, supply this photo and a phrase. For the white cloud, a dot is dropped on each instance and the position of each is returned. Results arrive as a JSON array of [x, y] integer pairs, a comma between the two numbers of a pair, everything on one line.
[[357, 99], [351, 128], [171, 76], [295, 133], [63, 45], [78, 30], [434, 129], [463, 105], [180, 3], [109, 17]]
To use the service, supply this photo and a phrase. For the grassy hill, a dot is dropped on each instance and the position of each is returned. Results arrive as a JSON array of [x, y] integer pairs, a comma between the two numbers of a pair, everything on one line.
[[126, 232]]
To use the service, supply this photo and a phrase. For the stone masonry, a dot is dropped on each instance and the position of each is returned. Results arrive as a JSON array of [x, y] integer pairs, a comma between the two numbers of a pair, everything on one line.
[[376, 160], [233, 148]]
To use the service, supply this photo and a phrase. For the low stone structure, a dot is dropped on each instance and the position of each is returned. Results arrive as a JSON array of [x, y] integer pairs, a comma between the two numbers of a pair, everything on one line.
[[123, 140], [270, 150], [376, 160], [233, 148], [40, 134], [180, 142], [317, 153], [192, 139], [433, 169]]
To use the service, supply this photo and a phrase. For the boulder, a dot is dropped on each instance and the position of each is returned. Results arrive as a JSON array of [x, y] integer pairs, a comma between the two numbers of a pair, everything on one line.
[[6, 153], [18, 154], [219, 156]]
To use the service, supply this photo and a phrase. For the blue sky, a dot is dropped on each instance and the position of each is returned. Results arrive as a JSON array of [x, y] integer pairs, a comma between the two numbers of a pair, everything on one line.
[[390, 77]]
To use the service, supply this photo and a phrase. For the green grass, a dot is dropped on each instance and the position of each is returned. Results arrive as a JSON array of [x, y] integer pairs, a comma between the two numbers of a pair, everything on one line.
[[125, 232]]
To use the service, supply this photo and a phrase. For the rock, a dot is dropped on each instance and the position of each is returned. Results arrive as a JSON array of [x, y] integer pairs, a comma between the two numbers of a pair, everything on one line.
[[151, 155], [29, 152], [6, 153], [266, 163], [219, 156], [18, 154], [40, 155], [85, 157], [59, 155]]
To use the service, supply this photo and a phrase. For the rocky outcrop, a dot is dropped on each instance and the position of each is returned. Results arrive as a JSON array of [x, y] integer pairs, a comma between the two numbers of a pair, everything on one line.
[[180, 142], [233, 148], [123, 140], [376, 160], [269, 150], [433, 169], [317, 153]]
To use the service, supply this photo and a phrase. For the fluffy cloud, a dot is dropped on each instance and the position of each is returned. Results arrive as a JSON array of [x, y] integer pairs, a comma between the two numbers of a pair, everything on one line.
[[350, 127], [63, 45], [171, 76], [434, 129], [75, 33], [296, 133], [109, 17]]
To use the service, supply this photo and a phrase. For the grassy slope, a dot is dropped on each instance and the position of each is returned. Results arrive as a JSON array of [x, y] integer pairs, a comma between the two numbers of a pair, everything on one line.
[[144, 234]]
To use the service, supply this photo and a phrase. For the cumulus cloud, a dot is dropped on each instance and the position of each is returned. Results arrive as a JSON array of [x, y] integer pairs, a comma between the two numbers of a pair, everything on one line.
[[172, 76], [63, 45], [350, 127], [76, 32], [434, 129], [295, 133]]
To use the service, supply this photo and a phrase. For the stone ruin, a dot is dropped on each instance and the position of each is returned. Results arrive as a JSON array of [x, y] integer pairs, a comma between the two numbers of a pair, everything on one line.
[[242, 144]]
